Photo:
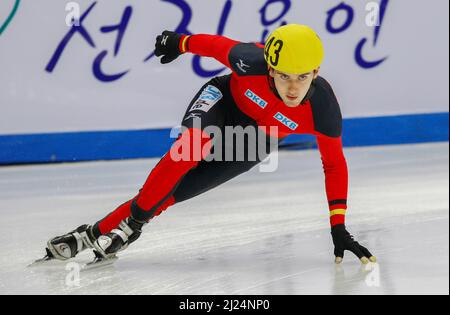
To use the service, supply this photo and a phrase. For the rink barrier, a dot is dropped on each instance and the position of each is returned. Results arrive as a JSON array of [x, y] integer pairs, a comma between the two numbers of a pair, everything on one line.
[[131, 144]]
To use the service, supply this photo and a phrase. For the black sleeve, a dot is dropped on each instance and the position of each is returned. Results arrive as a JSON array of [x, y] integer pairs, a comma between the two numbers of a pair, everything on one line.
[[326, 111], [247, 59]]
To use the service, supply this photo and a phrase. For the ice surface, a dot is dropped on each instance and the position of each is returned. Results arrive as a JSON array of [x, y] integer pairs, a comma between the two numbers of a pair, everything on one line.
[[262, 233]]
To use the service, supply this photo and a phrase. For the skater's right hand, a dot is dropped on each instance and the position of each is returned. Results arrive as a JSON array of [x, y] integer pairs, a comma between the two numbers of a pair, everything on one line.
[[168, 46]]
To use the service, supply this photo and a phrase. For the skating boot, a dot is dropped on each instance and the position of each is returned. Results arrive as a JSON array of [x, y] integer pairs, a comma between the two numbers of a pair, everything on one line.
[[69, 245], [108, 245]]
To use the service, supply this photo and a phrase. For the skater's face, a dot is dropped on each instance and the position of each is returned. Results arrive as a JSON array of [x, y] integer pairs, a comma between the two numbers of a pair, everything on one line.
[[293, 87]]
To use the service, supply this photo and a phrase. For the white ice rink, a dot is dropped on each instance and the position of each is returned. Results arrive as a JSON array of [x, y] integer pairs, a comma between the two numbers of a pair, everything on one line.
[[262, 233]]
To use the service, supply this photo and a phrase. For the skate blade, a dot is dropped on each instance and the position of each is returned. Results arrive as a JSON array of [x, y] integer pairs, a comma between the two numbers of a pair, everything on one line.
[[42, 261], [99, 263]]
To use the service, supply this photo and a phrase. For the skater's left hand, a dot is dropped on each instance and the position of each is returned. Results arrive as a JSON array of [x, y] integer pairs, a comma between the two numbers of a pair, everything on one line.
[[344, 241]]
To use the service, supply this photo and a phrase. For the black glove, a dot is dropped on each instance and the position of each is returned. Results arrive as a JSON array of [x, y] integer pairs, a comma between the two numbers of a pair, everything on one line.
[[344, 241], [168, 46]]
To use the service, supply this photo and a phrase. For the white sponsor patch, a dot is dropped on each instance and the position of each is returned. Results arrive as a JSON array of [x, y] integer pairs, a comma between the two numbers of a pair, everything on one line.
[[209, 97]]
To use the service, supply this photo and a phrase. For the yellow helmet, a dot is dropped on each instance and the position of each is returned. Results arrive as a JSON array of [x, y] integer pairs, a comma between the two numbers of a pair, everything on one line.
[[294, 49]]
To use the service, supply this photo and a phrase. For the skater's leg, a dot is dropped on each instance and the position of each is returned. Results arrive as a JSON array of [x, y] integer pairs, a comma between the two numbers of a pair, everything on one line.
[[192, 146], [113, 220], [156, 194], [207, 176], [166, 174], [169, 172]]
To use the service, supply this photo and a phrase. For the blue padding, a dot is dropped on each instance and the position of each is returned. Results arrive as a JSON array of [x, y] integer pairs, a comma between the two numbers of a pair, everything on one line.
[[111, 145], [84, 146], [396, 130]]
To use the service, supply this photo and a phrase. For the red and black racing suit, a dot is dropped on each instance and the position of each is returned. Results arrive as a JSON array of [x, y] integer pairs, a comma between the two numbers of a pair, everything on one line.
[[244, 98]]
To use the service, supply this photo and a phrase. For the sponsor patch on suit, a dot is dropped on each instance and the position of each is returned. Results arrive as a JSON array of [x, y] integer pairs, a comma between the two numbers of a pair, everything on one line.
[[209, 97]]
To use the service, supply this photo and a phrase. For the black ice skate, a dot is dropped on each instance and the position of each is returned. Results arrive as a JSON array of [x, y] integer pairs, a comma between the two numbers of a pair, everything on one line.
[[69, 245], [108, 245]]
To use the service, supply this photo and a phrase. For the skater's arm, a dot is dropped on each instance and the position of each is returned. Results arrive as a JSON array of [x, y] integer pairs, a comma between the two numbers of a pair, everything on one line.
[[328, 127], [244, 59], [214, 46], [170, 45], [336, 181], [336, 177]]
